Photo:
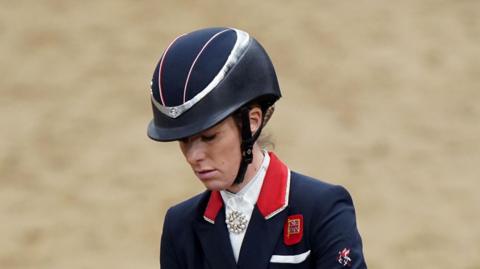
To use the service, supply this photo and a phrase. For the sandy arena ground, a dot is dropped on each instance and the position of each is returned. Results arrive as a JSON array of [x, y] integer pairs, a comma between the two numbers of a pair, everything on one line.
[[379, 96]]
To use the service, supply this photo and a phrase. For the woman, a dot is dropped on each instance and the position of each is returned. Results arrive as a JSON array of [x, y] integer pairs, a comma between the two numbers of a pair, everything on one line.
[[213, 90]]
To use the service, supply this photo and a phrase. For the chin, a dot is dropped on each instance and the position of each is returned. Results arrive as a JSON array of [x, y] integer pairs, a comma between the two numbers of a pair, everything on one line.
[[216, 186]]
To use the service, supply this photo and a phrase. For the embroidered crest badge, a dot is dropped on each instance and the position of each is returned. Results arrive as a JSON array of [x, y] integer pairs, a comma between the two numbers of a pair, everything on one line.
[[293, 230], [343, 257]]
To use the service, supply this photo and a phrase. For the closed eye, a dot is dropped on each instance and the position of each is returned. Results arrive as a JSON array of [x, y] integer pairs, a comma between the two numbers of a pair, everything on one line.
[[208, 138]]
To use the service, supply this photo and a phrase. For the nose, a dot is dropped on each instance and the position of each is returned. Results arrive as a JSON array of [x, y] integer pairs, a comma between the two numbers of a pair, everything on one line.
[[195, 152]]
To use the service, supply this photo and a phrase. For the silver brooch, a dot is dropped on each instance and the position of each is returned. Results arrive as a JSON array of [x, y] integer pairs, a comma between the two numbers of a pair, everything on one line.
[[236, 222]]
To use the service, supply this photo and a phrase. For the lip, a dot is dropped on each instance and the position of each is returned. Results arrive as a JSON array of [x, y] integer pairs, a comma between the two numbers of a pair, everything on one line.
[[206, 174]]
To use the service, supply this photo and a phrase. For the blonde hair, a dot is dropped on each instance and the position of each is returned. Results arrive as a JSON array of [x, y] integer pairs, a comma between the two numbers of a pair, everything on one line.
[[265, 142]]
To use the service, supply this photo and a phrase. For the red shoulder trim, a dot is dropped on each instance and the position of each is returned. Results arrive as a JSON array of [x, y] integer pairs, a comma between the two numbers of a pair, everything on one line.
[[273, 196], [215, 203]]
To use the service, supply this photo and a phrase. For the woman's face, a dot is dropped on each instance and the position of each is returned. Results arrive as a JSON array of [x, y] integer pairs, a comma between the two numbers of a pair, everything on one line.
[[214, 154]]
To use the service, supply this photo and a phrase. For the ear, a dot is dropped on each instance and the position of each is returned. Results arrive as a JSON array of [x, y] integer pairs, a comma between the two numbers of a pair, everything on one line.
[[255, 115]]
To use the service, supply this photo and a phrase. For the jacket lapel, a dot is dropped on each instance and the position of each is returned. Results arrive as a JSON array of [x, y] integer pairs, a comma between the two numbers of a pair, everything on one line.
[[260, 239], [268, 217], [215, 242]]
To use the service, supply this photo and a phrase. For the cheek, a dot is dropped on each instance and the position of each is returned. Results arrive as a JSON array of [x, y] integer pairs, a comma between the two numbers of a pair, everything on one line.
[[229, 157]]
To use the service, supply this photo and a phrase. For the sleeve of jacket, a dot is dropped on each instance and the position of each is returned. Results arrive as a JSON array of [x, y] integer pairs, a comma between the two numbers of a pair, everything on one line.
[[168, 257], [336, 241]]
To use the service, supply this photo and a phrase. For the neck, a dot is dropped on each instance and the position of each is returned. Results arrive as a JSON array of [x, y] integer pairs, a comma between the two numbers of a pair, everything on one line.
[[251, 169]]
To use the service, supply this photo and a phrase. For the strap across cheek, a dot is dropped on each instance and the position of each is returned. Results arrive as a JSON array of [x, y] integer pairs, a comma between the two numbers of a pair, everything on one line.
[[248, 140]]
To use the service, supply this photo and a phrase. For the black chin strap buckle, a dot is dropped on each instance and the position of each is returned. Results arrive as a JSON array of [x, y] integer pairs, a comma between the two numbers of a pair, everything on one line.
[[247, 139], [247, 152]]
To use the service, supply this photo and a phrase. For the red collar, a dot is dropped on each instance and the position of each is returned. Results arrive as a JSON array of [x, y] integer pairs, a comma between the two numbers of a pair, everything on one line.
[[273, 196]]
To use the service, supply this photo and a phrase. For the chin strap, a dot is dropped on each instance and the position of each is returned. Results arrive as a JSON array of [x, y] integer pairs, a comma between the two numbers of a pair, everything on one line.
[[248, 140]]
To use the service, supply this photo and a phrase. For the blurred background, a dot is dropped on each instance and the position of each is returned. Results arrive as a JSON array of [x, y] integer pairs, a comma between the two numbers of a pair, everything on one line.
[[379, 96]]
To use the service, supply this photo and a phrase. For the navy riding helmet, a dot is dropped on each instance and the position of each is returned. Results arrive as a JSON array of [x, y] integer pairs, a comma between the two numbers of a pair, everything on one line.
[[205, 76]]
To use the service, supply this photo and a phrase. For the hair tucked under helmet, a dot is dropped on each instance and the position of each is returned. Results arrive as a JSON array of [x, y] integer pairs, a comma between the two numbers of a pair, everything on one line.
[[205, 76]]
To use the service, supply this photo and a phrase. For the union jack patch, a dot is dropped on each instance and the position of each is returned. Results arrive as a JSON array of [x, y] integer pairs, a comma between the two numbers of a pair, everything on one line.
[[293, 230], [343, 257], [293, 226]]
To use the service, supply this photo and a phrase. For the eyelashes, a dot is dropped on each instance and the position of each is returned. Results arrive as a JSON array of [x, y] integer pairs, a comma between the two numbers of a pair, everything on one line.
[[204, 138], [208, 138]]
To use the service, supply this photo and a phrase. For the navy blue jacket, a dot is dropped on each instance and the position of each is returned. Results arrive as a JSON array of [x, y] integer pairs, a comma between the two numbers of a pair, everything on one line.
[[298, 222]]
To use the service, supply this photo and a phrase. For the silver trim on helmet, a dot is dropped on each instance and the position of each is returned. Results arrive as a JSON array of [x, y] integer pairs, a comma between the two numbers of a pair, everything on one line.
[[238, 50]]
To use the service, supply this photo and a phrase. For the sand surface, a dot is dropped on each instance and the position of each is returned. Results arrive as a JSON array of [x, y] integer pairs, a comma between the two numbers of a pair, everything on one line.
[[379, 96]]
